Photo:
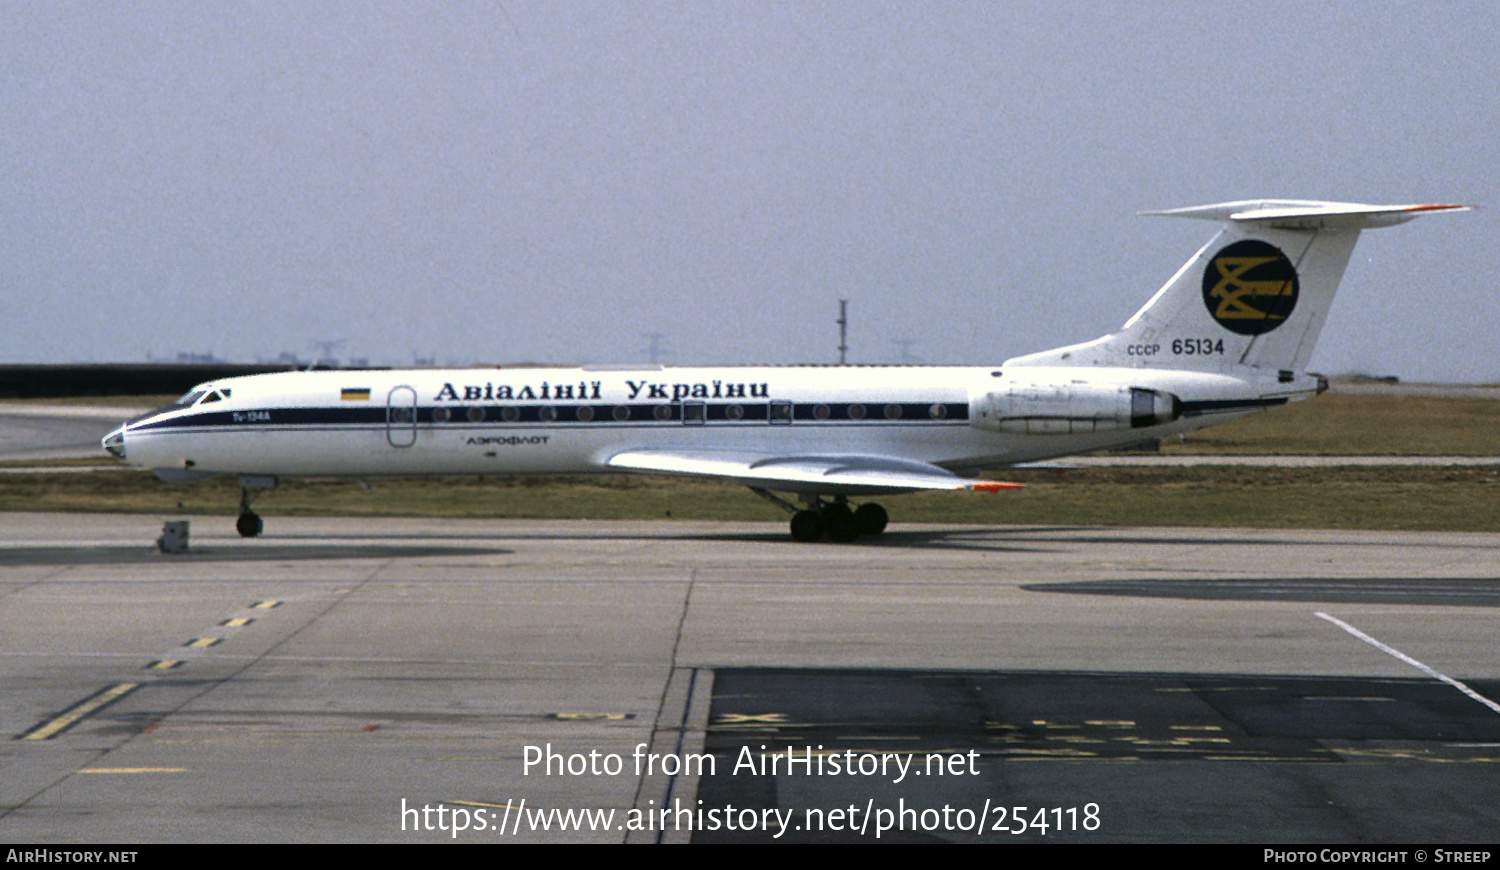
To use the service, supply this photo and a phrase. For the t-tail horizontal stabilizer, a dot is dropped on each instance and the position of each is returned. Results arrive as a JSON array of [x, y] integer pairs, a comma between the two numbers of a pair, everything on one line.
[[1255, 296]]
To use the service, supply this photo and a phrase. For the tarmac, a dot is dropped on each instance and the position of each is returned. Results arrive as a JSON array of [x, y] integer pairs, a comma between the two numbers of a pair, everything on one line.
[[407, 680], [30, 431]]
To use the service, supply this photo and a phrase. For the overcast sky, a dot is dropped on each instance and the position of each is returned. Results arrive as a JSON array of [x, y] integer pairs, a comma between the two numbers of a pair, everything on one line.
[[562, 181]]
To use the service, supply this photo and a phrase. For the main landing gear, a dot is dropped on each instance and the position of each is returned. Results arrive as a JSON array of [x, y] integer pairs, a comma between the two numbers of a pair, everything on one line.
[[249, 523], [832, 518]]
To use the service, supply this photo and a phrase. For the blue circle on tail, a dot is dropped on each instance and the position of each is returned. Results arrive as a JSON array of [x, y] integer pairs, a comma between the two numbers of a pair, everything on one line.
[[1250, 287]]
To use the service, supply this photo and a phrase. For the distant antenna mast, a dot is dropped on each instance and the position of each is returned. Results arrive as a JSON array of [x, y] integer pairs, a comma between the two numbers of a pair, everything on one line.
[[843, 323], [327, 359], [653, 347], [905, 356]]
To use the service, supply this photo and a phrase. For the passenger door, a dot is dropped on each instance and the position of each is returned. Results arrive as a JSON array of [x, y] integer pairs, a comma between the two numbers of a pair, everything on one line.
[[401, 417]]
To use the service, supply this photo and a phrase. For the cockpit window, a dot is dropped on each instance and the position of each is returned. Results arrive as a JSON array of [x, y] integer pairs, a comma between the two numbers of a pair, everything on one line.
[[190, 398], [215, 396]]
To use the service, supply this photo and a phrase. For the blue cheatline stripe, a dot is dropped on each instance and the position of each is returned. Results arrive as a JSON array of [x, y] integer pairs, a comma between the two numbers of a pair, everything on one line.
[[588, 414], [1224, 406]]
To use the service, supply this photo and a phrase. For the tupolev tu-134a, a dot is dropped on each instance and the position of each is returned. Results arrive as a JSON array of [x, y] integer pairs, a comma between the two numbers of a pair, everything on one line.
[[1228, 335]]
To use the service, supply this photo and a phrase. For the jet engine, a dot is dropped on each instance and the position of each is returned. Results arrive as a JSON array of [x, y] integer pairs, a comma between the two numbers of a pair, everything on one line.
[[1062, 409]]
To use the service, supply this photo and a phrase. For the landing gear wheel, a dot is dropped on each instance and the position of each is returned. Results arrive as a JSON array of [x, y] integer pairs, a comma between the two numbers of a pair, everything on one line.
[[840, 522], [249, 524], [870, 519], [807, 526]]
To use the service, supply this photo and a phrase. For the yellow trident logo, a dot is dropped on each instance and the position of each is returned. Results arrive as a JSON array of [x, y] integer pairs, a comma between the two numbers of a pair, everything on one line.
[[1251, 287], [1232, 290]]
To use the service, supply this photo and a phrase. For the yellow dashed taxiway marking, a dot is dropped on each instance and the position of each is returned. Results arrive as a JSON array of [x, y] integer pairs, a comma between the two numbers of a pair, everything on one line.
[[73, 714], [752, 718]]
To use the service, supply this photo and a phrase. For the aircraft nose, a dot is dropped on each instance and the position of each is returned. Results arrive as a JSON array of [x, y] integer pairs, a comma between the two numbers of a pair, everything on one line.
[[114, 442]]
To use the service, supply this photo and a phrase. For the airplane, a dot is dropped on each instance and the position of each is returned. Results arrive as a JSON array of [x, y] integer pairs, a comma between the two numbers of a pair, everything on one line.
[[1229, 334]]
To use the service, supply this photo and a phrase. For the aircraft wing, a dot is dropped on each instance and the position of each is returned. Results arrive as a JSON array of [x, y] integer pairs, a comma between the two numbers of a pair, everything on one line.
[[823, 474]]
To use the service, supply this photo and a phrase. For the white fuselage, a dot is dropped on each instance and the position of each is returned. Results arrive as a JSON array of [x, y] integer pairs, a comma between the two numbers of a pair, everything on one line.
[[1230, 333], [551, 421]]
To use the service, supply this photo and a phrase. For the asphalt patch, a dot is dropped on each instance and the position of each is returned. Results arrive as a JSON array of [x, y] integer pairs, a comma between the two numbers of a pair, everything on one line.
[[1132, 746], [1424, 591]]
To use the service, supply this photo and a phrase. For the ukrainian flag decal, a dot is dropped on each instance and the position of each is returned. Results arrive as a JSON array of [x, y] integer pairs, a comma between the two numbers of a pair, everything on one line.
[[355, 394]]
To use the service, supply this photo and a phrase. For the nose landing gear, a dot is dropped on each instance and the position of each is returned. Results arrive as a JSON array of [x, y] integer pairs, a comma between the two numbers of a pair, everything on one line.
[[249, 523]]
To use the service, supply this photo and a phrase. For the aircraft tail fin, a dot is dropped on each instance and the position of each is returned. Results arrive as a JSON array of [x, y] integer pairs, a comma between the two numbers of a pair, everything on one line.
[[1256, 295]]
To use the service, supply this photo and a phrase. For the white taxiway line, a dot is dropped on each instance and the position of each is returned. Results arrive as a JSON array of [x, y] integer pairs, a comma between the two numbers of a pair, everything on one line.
[[1390, 650]]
